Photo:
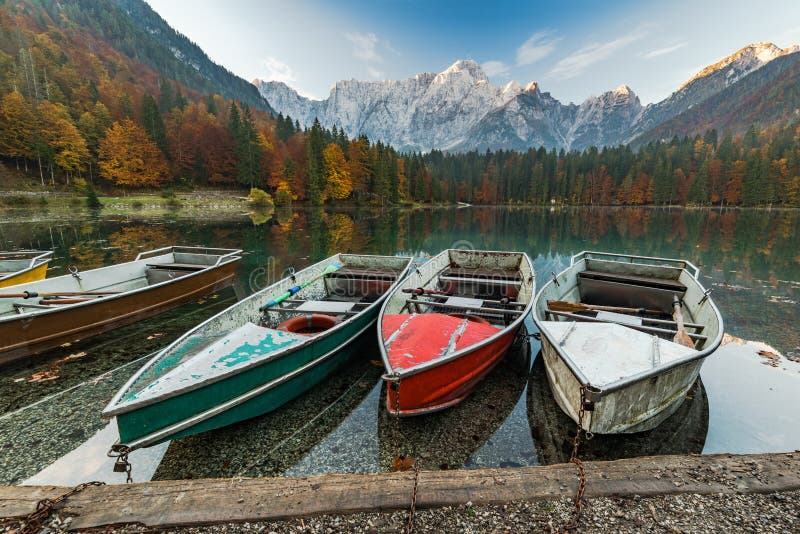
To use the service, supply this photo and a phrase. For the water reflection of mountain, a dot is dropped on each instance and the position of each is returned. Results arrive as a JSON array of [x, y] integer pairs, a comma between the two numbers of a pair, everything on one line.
[[447, 439], [684, 432], [268, 445]]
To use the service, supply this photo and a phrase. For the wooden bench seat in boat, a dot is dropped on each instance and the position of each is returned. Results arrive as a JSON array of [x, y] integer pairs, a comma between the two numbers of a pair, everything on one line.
[[327, 307], [644, 281], [627, 322], [366, 274], [497, 274], [177, 266]]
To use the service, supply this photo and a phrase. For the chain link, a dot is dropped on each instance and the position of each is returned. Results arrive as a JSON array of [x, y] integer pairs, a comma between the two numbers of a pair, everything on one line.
[[410, 526], [122, 465], [398, 462], [576, 512], [33, 522]]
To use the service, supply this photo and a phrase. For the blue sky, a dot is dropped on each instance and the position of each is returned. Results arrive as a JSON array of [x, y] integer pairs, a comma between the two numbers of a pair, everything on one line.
[[573, 48]]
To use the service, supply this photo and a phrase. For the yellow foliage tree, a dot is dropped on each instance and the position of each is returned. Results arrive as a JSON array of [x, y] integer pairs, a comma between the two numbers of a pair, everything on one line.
[[128, 157], [338, 183], [16, 135]]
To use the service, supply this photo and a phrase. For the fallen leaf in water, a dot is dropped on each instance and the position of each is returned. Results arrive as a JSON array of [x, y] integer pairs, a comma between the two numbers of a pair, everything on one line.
[[214, 296], [376, 363], [72, 357], [153, 336], [201, 301], [67, 344], [401, 463], [19, 380], [43, 376], [727, 338], [769, 355]]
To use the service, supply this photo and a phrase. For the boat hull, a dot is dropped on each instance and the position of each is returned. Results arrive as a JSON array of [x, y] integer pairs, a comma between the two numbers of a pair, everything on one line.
[[440, 387], [244, 395], [639, 406], [33, 274], [31, 335]]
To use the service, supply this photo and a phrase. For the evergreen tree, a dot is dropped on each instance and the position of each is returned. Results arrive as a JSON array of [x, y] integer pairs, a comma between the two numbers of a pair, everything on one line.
[[316, 164], [153, 123]]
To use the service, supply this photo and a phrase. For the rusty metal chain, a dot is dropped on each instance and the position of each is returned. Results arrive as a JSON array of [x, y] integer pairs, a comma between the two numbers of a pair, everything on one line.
[[398, 463], [576, 512], [33, 522], [121, 465], [410, 526]]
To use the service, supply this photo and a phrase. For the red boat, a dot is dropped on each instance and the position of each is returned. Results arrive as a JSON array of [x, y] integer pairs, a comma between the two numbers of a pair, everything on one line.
[[449, 323]]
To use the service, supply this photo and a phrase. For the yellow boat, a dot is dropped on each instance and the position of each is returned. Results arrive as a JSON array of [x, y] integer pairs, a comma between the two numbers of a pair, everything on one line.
[[23, 267]]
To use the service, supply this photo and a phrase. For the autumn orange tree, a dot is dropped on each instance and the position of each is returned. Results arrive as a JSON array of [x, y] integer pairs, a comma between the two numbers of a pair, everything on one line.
[[338, 183], [129, 158]]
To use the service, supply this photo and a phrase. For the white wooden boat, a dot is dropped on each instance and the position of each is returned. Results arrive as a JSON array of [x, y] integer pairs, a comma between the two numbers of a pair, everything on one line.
[[631, 371]]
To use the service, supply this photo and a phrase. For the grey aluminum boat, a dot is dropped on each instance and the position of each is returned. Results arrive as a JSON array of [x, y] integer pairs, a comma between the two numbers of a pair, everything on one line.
[[632, 372]]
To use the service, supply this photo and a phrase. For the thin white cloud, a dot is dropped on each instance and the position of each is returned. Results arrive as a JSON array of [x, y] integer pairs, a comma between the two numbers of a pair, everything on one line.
[[664, 51], [575, 63], [364, 46], [495, 68], [538, 46], [277, 70], [388, 45]]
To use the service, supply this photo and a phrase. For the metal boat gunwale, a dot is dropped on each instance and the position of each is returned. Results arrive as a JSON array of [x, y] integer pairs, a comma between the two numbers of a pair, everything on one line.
[[228, 257], [398, 374], [43, 257], [114, 407], [165, 432], [595, 393]]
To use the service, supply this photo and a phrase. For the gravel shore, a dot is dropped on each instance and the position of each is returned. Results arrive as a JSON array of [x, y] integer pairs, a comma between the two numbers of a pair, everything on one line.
[[770, 512]]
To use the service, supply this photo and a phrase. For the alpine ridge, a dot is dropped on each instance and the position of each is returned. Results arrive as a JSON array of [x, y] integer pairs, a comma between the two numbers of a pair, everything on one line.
[[459, 109]]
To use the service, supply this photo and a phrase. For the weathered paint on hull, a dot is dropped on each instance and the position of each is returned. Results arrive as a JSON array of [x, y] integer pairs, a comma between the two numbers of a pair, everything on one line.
[[443, 386], [138, 424], [28, 336], [29, 275], [640, 406]]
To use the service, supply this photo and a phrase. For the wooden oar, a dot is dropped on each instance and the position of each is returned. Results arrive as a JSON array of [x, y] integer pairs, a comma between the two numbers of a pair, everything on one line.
[[681, 337], [34, 294], [422, 291], [64, 301], [561, 305], [332, 268]]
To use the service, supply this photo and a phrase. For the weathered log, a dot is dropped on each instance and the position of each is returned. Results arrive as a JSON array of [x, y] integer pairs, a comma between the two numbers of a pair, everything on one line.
[[196, 502]]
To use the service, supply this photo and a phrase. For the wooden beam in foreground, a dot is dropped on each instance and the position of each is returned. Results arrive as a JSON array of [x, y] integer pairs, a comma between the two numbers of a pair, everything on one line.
[[207, 501]]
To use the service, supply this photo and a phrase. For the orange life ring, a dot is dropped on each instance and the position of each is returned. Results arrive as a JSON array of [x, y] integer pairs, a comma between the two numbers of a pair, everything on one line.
[[309, 324]]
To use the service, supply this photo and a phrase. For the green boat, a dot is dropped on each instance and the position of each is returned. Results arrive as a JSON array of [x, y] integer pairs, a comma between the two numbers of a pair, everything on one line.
[[258, 354]]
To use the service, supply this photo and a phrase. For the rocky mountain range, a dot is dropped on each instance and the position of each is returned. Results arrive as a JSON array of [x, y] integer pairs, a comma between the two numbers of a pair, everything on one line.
[[459, 109]]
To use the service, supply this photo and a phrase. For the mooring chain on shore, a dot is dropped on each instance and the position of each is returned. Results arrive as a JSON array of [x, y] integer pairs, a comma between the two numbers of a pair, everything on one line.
[[121, 465], [576, 512], [398, 462], [33, 522]]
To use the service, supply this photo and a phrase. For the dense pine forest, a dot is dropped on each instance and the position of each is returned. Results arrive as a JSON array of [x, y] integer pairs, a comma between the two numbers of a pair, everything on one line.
[[82, 101]]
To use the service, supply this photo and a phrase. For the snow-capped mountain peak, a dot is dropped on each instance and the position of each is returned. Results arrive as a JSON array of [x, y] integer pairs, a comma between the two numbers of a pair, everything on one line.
[[465, 69], [743, 61], [531, 87], [623, 90], [460, 109]]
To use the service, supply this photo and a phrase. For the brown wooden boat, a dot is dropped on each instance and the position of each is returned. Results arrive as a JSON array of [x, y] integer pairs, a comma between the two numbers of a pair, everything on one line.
[[38, 316]]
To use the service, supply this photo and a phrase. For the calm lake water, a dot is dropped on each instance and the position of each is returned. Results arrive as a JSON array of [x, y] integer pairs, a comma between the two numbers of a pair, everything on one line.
[[51, 432]]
